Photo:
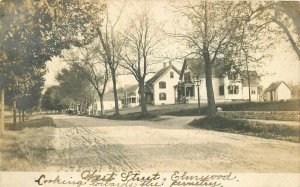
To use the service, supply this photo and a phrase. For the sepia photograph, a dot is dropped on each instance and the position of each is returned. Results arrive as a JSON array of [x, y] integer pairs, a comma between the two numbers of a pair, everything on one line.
[[149, 93]]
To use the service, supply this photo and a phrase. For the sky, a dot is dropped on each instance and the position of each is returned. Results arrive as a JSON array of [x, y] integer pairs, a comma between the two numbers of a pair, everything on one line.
[[284, 64]]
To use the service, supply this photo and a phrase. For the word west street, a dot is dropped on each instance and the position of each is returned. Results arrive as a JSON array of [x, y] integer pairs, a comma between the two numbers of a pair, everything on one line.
[[136, 179]]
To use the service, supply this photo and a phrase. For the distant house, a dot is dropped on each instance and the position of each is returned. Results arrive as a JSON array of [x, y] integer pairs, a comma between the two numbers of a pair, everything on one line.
[[295, 91], [228, 83], [129, 95], [108, 102], [255, 87], [278, 91], [160, 88]]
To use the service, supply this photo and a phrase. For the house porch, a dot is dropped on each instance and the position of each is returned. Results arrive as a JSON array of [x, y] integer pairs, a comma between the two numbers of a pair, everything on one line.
[[185, 92]]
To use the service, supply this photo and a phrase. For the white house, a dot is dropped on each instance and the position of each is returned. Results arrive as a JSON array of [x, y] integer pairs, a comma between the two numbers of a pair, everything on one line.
[[159, 89], [108, 102], [278, 91], [237, 85], [129, 95], [228, 83]]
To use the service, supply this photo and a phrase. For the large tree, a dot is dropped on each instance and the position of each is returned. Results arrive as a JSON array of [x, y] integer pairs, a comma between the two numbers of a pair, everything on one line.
[[31, 32], [141, 42], [91, 62], [22, 50], [52, 100], [213, 25], [286, 16], [111, 42], [276, 16], [74, 88]]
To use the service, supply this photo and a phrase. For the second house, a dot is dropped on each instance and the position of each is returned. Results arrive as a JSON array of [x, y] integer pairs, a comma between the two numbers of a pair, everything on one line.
[[160, 88]]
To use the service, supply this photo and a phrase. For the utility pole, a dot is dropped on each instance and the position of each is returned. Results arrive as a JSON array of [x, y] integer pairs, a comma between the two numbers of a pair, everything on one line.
[[2, 111], [197, 81]]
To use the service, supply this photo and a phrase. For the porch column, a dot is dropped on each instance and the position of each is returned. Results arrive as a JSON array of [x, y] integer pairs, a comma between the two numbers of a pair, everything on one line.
[[195, 92]]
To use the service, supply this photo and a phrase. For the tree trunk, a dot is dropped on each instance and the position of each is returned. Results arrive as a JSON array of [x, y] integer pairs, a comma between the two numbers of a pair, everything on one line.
[[209, 86], [287, 32], [78, 109], [14, 112], [19, 111], [208, 68], [2, 111], [113, 76], [101, 104], [249, 85], [23, 115], [81, 108], [143, 98], [86, 106]]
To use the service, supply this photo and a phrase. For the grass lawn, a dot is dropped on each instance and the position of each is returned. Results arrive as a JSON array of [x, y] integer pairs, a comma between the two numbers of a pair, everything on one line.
[[130, 116], [134, 113], [236, 106], [251, 128], [27, 145], [192, 109]]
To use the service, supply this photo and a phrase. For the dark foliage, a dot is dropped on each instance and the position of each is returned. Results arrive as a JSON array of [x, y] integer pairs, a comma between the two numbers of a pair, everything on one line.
[[252, 128]]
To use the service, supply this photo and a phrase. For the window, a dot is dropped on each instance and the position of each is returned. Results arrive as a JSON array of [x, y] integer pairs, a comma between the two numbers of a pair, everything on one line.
[[133, 100], [162, 84], [233, 89], [253, 91], [162, 96], [187, 76], [221, 90], [171, 75], [232, 76]]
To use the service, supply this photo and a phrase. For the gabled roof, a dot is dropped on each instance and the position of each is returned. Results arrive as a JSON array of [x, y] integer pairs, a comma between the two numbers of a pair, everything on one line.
[[161, 73], [109, 96], [129, 89], [295, 87], [274, 85], [254, 78], [218, 69]]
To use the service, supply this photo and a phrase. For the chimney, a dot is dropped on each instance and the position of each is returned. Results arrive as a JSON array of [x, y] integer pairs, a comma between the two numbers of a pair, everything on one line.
[[165, 65], [170, 63]]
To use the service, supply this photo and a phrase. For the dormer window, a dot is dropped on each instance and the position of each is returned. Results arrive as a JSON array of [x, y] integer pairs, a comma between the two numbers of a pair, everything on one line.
[[233, 75], [187, 76]]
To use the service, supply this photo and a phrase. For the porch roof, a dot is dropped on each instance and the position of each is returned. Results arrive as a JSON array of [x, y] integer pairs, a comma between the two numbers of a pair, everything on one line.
[[185, 84]]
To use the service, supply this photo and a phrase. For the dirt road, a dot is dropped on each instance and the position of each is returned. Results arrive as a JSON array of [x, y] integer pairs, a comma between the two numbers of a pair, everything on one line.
[[165, 145]]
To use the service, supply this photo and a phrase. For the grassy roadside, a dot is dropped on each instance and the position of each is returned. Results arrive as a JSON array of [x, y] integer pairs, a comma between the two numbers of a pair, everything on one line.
[[181, 110], [35, 122], [251, 128], [129, 116], [192, 109], [26, 148]]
